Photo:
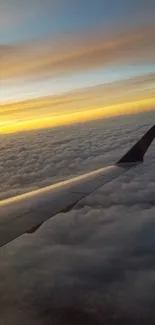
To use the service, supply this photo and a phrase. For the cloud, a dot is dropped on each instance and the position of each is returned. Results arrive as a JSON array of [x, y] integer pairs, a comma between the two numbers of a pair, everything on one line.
[[79, 52], [140, 87], [96, 263], [42, 157]]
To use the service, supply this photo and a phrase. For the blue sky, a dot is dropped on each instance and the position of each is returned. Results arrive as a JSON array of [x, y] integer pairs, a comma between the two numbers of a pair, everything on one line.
[[26, 20]]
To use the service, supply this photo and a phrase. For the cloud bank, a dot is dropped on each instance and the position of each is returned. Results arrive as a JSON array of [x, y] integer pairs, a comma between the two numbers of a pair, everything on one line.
[[94, 265], [42, 157]]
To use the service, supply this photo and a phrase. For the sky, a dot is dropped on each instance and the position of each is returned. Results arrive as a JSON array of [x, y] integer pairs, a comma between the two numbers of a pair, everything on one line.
[[55, 18], [53, 47], [95, 264]]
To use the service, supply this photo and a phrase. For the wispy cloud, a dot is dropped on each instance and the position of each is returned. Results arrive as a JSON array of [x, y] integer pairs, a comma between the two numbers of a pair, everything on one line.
[[83, 52]]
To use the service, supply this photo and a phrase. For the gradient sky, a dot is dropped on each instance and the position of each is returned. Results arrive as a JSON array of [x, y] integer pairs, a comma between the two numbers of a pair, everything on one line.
[[27, 20], [53, 46]]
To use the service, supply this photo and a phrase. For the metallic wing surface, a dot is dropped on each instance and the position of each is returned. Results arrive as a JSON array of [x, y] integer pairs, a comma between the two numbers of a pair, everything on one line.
[[26, 213]]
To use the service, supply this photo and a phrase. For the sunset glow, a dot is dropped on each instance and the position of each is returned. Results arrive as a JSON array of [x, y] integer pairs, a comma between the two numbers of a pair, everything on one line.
[[31, 123], [57, 71]]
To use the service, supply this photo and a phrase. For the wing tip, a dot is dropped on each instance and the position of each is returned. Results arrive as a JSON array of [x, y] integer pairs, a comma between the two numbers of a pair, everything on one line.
[[137, 152]]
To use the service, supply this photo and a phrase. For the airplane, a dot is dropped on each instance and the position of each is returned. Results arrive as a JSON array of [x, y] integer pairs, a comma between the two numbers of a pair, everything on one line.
[[27, 212]]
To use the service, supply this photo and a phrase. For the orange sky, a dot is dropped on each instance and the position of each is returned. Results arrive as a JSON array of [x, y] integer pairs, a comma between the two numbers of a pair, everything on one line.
[[122, 97]]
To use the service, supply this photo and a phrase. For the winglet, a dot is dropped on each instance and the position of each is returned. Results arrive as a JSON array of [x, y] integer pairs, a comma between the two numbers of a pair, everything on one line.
[[137, 152]]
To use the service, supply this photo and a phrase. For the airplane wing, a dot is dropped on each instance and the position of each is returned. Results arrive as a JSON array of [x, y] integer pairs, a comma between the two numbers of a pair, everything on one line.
[[27, 212]]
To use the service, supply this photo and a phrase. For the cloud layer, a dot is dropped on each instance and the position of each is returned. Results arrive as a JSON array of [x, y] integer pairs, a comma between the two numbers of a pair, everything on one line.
[[37, 158], [94, 265]]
